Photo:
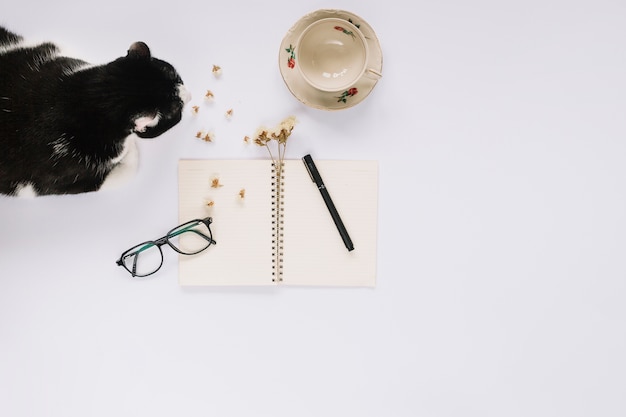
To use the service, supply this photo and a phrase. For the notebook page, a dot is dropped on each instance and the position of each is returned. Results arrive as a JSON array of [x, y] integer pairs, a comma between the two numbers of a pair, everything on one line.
[[242, 227], [314, 253]]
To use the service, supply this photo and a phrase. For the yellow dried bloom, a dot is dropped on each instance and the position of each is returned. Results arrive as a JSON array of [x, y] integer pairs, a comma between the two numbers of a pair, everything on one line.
[[261, 141], [210, 203], [280, 134], [215, 183], [217, 70], [262, 137], [205, 136], [209, 95], [242, 193], [288, 124], [195, 109]]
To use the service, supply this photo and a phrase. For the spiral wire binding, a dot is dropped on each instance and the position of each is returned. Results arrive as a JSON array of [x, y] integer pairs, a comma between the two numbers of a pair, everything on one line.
[[278, 190]]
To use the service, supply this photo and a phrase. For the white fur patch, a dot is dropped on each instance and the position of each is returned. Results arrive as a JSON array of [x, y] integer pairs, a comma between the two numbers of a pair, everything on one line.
[[19, 45], [184, 94], [78, 68], [144, 122], [60, 146], [126, 167], [25, 190], [58, 51]]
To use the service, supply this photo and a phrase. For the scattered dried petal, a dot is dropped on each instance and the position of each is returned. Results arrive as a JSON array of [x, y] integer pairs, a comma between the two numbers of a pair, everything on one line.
[[246, 139], [215, 183], [209, 95], [229, 113], [195, 109], [217, 70], [205, 136], [210, 203], [242, 193]]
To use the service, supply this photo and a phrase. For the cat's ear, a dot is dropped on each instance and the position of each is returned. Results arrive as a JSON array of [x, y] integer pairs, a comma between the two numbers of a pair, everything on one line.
[[139, 50]]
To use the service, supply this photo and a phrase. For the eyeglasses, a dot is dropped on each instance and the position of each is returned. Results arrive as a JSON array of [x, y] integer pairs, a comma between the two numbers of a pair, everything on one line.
[[188, 239]]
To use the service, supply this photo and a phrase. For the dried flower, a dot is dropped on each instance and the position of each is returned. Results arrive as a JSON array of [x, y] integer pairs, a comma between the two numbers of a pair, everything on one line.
[[209, 95], [205, 136], [242, 193], [210, 203], [263, 136], [215, 183], [282, 132], [246, 139], [195, 109], [229, 113], [217, 70]]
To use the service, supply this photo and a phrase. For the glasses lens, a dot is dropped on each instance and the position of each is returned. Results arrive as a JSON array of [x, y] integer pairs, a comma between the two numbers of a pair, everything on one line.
[[143, 259], [190, 238]]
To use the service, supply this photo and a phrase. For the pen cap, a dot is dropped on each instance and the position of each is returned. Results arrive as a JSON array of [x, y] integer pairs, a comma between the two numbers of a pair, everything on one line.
[[312, 169]]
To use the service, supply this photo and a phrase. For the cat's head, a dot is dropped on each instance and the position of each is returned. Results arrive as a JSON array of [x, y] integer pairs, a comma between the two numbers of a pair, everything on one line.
[[154, 91]]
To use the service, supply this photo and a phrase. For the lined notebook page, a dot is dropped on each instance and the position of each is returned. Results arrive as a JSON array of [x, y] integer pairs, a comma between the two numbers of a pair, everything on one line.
[[242, 227], [314, 253]]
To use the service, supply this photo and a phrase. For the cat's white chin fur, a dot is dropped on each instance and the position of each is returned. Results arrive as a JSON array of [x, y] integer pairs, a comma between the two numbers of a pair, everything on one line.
[[144, 122], [184, 94], [126, 167], [26, 191]]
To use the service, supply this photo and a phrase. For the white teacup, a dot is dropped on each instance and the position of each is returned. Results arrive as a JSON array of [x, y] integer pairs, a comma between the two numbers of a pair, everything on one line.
[[332, 55]]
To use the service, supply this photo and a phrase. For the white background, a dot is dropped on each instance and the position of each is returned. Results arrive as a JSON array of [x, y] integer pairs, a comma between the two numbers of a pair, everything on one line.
[[499, 129]]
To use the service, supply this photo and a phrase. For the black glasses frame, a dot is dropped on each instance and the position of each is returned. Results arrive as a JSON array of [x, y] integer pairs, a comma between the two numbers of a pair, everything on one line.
[[178, 230]]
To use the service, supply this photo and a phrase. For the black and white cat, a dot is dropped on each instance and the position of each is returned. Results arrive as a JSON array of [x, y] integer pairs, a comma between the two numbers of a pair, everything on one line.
[[69, 127]]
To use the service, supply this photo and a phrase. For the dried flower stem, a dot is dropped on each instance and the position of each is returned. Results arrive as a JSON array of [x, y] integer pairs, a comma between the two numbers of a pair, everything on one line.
[[280, 134]]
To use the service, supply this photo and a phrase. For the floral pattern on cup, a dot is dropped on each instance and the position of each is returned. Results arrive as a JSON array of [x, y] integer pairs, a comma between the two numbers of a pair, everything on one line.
[[291, 61], [343, 98], [346, 31], [355, 24]]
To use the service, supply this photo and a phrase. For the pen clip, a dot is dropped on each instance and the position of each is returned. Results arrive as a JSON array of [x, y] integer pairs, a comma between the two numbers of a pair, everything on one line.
[[306, 159]]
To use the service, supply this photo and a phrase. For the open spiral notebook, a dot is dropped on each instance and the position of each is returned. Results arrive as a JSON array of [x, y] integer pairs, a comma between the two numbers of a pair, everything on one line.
[[272, 231]]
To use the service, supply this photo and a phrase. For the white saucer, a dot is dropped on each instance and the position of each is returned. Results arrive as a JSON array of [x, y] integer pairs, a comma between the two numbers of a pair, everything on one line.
[[321, 99]]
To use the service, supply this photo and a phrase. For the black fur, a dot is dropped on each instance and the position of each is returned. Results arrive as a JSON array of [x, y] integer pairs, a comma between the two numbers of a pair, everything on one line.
[[64, 123]]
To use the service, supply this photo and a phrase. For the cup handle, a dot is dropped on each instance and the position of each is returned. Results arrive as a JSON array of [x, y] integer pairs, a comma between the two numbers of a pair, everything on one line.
[[373, 74]]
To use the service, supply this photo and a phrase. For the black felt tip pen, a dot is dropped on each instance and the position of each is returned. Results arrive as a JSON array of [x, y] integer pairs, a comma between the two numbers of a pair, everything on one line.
[[317, 179]]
